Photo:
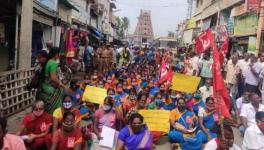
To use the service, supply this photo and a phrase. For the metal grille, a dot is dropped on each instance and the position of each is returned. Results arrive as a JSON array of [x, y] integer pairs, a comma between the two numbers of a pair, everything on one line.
[[14, 96]]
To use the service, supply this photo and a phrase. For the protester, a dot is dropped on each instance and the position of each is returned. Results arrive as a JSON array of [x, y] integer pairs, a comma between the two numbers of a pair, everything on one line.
[[239, 104], [9, 141], [67, 106], [184, 124], [254, 135], [206, 68], [231, 78], [106, 115], [35, 127], [196, 103], [51, 88], [67, 137], [206, 90], [220, 143], [243, 64], [207, 120], [135, 135], [252, 76], [248, 111], [88, 58]]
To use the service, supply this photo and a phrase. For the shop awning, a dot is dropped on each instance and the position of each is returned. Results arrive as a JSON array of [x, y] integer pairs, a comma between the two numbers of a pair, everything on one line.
[[68, 4]]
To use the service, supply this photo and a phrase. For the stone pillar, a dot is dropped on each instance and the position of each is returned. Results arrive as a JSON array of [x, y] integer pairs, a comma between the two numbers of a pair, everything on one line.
[[24, 52]]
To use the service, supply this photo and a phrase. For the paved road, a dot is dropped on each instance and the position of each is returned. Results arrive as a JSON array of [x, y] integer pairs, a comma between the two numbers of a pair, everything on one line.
[[15, 121]]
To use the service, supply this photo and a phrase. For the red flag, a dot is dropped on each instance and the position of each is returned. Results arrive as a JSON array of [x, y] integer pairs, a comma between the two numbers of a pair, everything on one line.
[[223, 50], [225, 45], [166, 72], [204, 41], [220, 90]]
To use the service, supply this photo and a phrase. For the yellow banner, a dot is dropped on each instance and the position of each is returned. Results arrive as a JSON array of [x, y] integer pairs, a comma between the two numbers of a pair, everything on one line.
[[157, 120], [185, 83], [94, 94]]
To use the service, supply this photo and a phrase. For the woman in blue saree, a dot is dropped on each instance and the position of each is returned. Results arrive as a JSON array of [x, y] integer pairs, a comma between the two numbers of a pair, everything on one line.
[[135, 136], [197, 103], [207, 120], [183, 123]]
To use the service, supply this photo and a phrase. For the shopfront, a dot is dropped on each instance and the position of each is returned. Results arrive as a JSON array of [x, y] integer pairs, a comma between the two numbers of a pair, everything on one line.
[[245, 30]]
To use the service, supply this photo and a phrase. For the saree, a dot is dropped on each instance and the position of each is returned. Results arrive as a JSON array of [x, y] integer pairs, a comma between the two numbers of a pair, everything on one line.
[[208, 121], [186, 141], [37, 126], [139, 141], [197, 105], [48, 92]]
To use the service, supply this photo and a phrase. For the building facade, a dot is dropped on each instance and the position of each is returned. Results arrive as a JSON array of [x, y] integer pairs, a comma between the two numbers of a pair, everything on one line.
[[226, 16]]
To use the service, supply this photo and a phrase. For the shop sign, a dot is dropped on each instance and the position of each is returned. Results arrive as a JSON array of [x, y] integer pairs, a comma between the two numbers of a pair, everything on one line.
[[51, 4], [252, 45], [246, 24], [253, 5]]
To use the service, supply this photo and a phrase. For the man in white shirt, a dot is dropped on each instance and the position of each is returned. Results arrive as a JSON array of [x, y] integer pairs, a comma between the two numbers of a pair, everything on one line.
[[252, 76], [206, 90], [243, 64], [254, 135], [248, 111]]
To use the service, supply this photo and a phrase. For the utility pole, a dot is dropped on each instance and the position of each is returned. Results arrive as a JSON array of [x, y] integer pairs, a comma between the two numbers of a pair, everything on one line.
[[260, 26]]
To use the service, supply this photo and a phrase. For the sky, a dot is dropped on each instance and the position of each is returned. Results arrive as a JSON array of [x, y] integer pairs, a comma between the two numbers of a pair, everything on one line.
[[165, 14]]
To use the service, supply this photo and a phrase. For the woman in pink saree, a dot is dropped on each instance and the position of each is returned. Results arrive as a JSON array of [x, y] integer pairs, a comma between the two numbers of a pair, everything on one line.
[[135, 136]]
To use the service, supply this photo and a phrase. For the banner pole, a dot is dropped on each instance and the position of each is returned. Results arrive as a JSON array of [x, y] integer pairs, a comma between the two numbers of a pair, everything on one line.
[[220, 115]]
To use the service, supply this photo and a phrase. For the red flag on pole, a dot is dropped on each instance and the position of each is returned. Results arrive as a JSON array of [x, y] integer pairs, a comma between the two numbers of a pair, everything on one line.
[[220, 91], [166, 72], [223, 50], [204, 41]]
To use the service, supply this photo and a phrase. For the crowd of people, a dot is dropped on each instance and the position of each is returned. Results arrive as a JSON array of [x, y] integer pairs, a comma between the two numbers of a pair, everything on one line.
[[131, 78]]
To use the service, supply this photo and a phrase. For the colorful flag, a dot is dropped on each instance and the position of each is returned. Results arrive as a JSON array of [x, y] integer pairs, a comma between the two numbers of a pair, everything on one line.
[[204, 41], [220, 91]]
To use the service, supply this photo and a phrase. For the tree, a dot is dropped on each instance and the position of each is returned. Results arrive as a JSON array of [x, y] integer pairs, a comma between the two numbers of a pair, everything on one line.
[[171, 34], [125, 22], [122, 26]]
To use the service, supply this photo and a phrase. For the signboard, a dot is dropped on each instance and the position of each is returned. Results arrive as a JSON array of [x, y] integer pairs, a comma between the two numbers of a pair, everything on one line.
[[94, 94], [252, 45], [246, 24], [185, 83], [157, 120], [253, 5], [51, 4]]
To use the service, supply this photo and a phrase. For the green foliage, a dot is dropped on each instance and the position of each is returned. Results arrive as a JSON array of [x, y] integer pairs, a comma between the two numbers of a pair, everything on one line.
[[122, 27]]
